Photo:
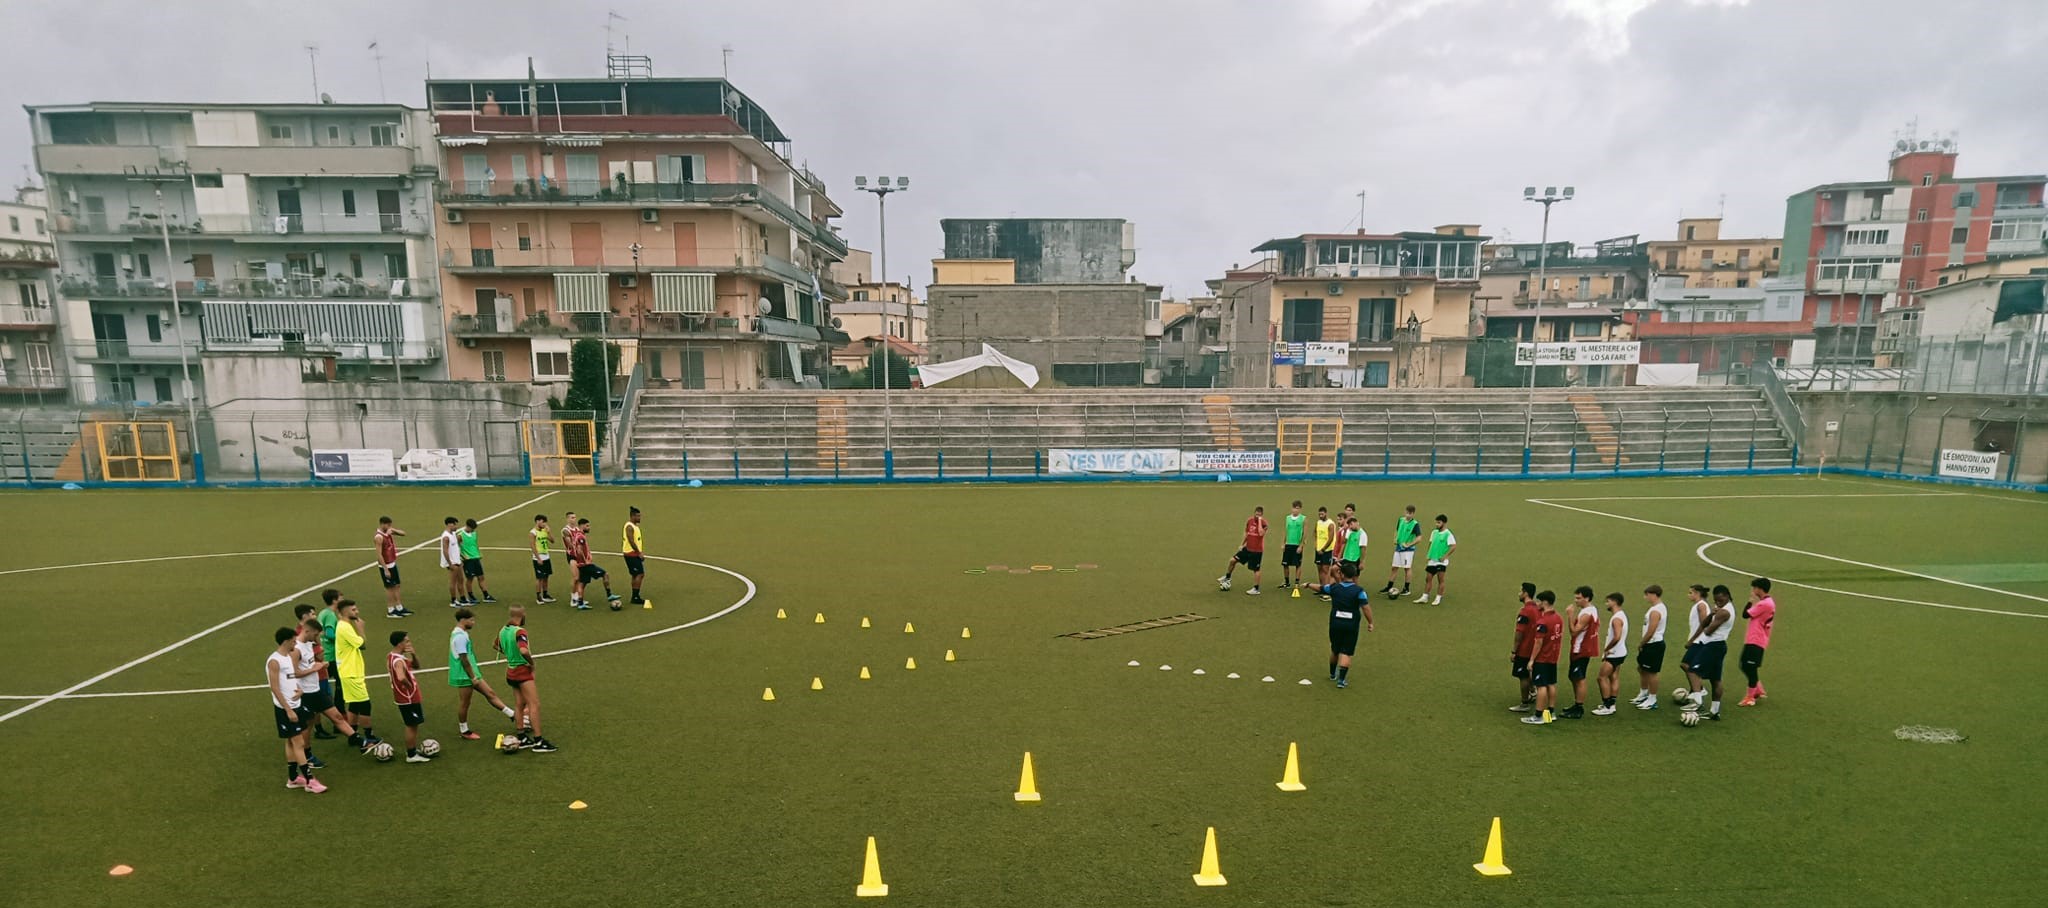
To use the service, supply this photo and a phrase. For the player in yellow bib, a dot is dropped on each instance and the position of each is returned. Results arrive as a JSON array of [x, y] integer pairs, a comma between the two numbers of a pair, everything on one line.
[[630, 546], [543, 567]]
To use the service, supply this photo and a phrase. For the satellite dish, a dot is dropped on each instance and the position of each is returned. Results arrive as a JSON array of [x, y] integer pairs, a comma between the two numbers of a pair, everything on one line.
[[734, 99], [326, 98], [765, 306], [836, 323]]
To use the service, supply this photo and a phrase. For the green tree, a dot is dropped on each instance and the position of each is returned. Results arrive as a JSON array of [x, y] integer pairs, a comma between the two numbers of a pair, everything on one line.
[[870, 375], [592, 363]]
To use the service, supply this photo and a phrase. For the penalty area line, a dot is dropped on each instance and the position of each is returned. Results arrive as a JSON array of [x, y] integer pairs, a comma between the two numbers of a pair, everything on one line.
[[1704, 546]]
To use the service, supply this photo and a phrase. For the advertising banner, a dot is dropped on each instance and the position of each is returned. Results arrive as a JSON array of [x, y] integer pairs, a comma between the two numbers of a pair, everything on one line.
[[353, 463], [1289, 354], [1591, 353], [1969, 464], [1141, 461], [1227, 461], [1326, 353], [421, 464]]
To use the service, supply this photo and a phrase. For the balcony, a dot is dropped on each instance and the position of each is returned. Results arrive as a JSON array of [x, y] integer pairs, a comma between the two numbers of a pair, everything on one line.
[[1873, 286], [589, 324], [1442, 272], [297, 161], [296, 228], [30, 317], [2033, 245], [408, 352], [13, 380], [625, 194], [103, 159], [132, 351], [619, 260], [1878, 216], [80, 286]]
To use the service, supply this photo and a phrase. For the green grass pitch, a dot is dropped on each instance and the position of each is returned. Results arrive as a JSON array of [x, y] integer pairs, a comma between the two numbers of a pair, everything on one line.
[[1921, 605]]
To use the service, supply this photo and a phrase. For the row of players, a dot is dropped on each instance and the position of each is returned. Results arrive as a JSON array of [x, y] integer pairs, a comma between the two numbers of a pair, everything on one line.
[[317, 671], [1339, 544], [461, 556]]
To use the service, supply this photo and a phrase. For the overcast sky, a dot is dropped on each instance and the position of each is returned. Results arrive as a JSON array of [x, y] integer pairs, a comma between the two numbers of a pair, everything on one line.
[[1212, 124]]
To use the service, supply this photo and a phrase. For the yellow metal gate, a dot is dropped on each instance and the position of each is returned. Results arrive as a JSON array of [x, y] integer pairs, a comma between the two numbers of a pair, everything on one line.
[[1309, 446], [561, 452], [136, 451]]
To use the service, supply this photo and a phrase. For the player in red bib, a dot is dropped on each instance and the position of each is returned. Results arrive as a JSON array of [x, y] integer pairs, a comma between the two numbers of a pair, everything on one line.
[[387, 568], [1549, 639], [1525, 645], [1252, 554], [405, 691]]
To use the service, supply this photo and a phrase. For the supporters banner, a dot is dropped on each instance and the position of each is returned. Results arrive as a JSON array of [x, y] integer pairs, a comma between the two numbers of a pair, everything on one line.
[[1323, 353], [1969, 464], [1227, 461], [1144, 461], [437, 464], [353, 463], [1590, 353], [1289, 353]]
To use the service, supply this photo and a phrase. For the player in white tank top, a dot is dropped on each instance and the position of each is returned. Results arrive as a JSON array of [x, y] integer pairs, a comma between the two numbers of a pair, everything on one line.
[[1650, 653], [1617, 650]]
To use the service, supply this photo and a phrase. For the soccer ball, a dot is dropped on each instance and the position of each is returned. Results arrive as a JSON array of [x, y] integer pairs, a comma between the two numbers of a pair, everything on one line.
[[430, 747], [381, 751], [616, 606], [1689, 718], [509, 744], [1679, 694]]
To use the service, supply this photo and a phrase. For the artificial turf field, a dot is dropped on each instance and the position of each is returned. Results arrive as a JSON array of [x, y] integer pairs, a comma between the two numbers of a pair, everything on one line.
[[700, 793]]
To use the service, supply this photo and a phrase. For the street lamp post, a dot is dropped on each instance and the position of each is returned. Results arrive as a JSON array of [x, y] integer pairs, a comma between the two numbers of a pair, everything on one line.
[[163, 222], [881, 188], [1550, 196]]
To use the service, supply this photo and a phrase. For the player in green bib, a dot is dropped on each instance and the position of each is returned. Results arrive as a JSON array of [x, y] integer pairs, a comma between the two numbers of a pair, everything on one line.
[[1354, 544], [1406, 531], [463, 674], [1290, 557], [518, 653], [1441, 544], [472, 565]]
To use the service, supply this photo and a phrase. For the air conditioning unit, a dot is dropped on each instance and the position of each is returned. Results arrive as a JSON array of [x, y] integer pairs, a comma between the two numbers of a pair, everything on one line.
[[629, 280], [650, 215], [454, 216]]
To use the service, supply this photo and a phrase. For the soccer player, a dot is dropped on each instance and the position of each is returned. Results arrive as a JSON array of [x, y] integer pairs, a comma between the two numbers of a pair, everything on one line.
[[1762, 612], [301, 614], [1441, 544], [451, 561], [288, 710], [472, 565], [1525, 646], [568, 528], [405, 691], [387, 568], [1252, 554], [1353, 548], [1650, 650], [543, 568], [464, 676], [1348, 608], [1290, 556], [355, 688], [518, 653], [1616, 654], [636, 558], [1549, 635], [316, 696], [1406, 531], [587, 569], [1713, 651], [1585, 643], [1326, 546], [329, 617]]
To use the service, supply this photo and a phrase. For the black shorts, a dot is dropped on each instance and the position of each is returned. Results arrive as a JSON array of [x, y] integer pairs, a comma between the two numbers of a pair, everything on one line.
[[1343, 638], [389, 576], [1435, 568], [1752, 656], [360, 707], [1342, 565], [1324, 559], [1578, 669], [588, 572], [542, 570], [1707, 663], [317, 701], [414, 714], [1651, 658], [288, 725], [1615, 660], [1251, 559], [1543, 674], [472, 567], [635, 565], [1519, 667], [1290, 556]]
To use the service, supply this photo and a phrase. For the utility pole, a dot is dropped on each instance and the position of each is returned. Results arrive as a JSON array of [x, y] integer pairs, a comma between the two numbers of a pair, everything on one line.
[[881, 188], [1549, 197]]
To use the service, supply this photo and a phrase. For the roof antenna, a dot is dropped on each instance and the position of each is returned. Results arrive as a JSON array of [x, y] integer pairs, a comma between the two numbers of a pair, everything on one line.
[[313, 59], [378, 56], [725, 61]]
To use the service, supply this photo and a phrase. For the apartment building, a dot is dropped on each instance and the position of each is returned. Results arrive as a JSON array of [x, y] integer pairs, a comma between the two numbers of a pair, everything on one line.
[[1401, 305], [874, 306], [282, 230], [664, 215], [29, 365], [1576, 294], [1700, 257]]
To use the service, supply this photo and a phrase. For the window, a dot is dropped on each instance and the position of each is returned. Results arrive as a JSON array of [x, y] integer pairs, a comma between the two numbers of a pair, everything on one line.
[[1691, 233], [1920, 214], [1912, 284], [348, 203], [2013, 196], [355, 265], [280, 132], [2015, 230], [1966, 199], [1959, 236], [1823, 314], [1916, 249], [14, 223], [1927, 179], [31, 297], [1585, 287], [525, 239], [41, 229], [206, 180], [692, 376], [1376, 374], [1742, 259], [156, 327], [1376, 319], [1524, 290], [1620, 288], [1706, 258], [1671, 259], [142, 267], [1876, 236], [394, 265], [383, 135], [1302, 320], [1742, 282], [334, 134], [1586, 328], [550, 365], [494, 365]]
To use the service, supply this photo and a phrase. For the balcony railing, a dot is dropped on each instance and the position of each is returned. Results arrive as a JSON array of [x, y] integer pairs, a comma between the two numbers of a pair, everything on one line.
[[365, 223], [590, 324], [333, 287], [414, 351], [619, 260], [152, 351], [35, 316], [17, 380], [626, 193]]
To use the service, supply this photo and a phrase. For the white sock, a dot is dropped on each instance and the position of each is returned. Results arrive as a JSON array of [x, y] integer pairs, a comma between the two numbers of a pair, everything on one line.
[[1717, 707], [465, 728], [508, 712]]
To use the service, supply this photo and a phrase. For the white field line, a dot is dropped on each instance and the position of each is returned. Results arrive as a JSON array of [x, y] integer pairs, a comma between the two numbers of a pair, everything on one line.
[[2014, 496], [1702, 553], [1735, 497], [87, 564], [1765, 545], [752, 591], [173, 647]]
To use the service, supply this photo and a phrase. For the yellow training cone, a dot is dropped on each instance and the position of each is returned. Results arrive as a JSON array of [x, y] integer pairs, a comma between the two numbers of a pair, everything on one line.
[[768, 693], [817, 684], [949, 656], [966, 634], [1027, 787], [779, 613], [1212, 872], [1290, 779], [820, 619], [864, 676], [1297, 592], [910, 663], [864, 621], [908, 629], [120, 870], [577, 805], [871, 884], [1492, 865], [647, 604]]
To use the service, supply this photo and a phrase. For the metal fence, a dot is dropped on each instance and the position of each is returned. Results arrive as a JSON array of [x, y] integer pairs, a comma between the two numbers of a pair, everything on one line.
[[1905, 435]]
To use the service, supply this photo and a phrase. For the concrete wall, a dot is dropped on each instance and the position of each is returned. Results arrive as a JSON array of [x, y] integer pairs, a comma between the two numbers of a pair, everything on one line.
[[1041, 324], [1906, 431], [1047, 251]]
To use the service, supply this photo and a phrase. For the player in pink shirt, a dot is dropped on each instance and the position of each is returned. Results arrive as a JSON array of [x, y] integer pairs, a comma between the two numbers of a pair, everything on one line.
[[1762, 613]]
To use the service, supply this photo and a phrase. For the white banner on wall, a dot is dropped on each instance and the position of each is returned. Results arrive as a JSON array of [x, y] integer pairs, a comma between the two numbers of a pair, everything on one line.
[[1143, 461], [1325, 353], [1591, 353], [421, 464], [353, 463], [1969, 464], [1227, 461]]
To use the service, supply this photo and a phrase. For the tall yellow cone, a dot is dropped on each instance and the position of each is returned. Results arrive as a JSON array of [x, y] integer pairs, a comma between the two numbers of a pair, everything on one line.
[[1212, 871], [820, 619], [910, 663], [1492, 865], [949, 656], [864, 621], [871, 885], [1290, 779], [864, 676], [817, 683], [780, 613], [768, 694], [908, 629], [966, 634], [1027, 787]]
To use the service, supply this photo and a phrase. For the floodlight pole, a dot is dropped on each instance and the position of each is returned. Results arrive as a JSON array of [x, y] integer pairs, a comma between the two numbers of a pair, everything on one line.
[[881, 189], [1550, 196]]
